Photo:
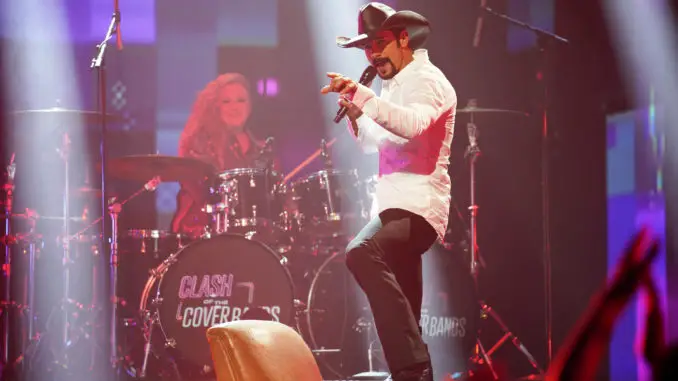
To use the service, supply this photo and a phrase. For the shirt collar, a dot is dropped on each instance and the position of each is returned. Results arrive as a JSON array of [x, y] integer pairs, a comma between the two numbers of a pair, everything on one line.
[[420, 56]]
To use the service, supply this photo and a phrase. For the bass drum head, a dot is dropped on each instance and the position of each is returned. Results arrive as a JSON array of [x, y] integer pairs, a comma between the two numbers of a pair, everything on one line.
[[218, 280], [338, 322], [339, 316], [450, 312]]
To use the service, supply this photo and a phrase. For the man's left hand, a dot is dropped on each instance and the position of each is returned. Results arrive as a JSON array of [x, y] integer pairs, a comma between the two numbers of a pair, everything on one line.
[[339, 84]]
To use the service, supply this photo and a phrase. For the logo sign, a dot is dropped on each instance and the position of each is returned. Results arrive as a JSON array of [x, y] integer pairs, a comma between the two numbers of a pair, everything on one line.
[[210, 299]]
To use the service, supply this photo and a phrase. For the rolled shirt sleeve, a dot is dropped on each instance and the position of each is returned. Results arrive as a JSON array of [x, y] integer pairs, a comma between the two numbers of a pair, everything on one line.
[[423, 103], [371, 135]]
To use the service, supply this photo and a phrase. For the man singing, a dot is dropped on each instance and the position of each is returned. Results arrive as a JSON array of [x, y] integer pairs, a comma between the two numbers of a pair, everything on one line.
[[411, 126]]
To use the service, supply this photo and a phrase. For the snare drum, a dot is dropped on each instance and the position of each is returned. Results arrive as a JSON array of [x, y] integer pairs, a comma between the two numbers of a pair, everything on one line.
[[328, 200], [209, 282], [248, 201], [142, 250], [157, 243]]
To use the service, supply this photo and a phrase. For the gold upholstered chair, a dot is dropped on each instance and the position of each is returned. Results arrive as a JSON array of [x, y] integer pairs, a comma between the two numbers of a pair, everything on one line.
[[259, 350]]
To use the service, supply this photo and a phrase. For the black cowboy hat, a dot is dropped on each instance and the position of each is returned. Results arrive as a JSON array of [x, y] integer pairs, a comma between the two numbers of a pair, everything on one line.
[[375, 17]]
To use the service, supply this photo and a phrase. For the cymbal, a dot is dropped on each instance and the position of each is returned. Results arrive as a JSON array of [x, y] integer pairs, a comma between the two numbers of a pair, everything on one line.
[[59, 115], [168, 168], [481, 110]]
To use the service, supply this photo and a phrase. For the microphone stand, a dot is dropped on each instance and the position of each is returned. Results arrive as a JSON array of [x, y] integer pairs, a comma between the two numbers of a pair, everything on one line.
[[544, 43], [98, 65]]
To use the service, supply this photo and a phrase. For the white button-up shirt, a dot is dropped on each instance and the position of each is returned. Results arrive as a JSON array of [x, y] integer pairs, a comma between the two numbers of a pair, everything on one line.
[[411, 125]]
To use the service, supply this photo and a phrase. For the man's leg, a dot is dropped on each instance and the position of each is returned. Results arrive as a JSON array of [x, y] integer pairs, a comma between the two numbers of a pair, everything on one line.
[[380, 258], [408, 273]]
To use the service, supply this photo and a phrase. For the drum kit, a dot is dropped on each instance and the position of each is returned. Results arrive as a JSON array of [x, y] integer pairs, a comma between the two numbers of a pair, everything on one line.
[[272, 250]]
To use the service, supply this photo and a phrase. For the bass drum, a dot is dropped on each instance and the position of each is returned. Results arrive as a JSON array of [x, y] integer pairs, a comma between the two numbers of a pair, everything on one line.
[[208, 282], [339, 317]]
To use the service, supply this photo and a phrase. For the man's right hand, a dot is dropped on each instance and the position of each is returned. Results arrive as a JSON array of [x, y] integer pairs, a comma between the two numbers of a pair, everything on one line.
[[354, 126], [353, 112]]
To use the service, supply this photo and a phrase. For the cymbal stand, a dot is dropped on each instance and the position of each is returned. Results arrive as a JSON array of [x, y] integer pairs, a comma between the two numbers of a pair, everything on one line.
[[481, 355], [6, 299], [367, 325], [114, 209], [64, 152], [64, 337], [473, 152]]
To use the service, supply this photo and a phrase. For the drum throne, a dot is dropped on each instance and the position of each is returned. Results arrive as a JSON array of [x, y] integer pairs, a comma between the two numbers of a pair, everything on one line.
[[257, 350]]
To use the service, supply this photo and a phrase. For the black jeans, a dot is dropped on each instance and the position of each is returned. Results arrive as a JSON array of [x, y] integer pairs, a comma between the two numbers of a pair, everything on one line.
[[385, 259]]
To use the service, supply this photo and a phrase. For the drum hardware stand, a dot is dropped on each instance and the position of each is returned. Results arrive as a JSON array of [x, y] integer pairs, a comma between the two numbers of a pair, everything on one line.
[[151, 320], [481, 356], [220, 211], [114, 209], [37, 339], [325, 155], [65, 339], [64, 344], [65, 156], [325, 180], [61, 358], [366, 325], [29, 308], [7, 296]]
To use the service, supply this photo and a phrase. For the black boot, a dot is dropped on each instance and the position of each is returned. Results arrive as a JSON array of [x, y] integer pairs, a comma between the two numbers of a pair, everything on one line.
[[419, 372]]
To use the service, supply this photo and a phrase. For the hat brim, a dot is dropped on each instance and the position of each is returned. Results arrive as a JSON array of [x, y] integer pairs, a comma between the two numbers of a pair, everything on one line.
[[359, 41], [417, 26]]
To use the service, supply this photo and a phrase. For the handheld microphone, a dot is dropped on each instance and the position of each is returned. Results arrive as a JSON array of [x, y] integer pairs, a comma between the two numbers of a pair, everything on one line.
[[368, 75]]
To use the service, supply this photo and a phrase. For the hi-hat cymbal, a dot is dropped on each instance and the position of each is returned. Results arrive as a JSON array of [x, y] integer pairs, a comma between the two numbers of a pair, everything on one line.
[[168, 168], [482, 110], [60, 116]]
